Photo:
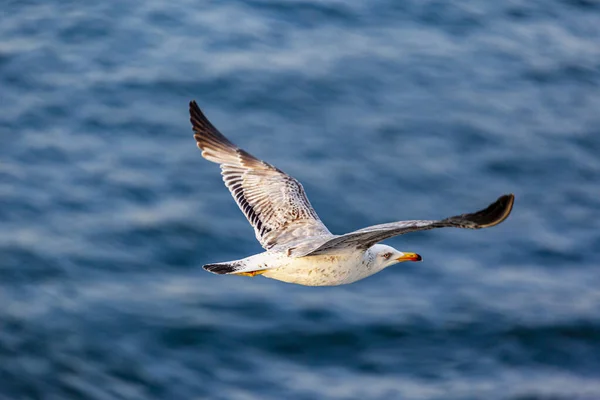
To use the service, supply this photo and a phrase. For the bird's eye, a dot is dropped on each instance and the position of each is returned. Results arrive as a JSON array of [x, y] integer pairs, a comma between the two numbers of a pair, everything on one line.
[[387, 255]]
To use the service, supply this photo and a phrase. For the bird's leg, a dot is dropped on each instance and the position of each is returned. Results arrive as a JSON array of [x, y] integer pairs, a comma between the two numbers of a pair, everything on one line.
[[251, 273]]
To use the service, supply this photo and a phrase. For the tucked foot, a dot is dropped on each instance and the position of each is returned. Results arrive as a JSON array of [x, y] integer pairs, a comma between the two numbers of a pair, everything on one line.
[[251, 273]]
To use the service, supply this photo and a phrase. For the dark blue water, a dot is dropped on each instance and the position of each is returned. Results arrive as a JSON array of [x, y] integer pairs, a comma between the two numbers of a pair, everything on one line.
[[385, 110]]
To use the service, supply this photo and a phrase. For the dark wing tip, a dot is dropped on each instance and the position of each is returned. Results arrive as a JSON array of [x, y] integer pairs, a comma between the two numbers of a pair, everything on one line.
[[209, 138], [199, 121], [194, 110], [494, 214]]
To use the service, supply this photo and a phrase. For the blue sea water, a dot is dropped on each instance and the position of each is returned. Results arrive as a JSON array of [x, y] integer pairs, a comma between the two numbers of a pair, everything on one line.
[[384, 110]]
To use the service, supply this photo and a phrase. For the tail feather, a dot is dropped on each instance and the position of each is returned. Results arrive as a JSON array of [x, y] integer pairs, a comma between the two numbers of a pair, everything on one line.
[[233, 268], [222, 268]]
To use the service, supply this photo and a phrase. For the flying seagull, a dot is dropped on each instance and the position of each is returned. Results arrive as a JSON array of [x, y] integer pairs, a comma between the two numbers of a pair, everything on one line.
[[299, 248]]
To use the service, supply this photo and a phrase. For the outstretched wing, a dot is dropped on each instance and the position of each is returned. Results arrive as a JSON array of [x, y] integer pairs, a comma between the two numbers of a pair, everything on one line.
[[366, 237], [274, 203]]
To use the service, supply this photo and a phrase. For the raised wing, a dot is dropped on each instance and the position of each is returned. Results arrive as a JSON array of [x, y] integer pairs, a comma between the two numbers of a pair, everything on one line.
[[364, 238], [274, 203]]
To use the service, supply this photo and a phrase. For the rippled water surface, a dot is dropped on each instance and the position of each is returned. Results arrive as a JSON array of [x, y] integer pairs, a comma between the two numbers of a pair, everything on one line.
[[385, 110]]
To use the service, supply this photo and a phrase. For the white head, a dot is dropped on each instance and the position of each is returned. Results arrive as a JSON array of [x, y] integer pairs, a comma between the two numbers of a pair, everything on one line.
[[383, 256]]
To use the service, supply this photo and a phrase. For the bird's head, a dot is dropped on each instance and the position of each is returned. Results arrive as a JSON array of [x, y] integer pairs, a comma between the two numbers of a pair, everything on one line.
[[384, 256]]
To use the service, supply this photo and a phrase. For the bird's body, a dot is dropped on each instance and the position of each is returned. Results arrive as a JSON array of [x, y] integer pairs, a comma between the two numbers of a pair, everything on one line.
[[320, 270], [299, 247], [324, 270]]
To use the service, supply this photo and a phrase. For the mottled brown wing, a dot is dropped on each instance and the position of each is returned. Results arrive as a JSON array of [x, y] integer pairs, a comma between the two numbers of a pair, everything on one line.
[[274, 202], [494, 214]]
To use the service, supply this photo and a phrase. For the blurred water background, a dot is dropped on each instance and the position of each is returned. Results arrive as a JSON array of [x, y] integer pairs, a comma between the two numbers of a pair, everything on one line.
[[385, 110]]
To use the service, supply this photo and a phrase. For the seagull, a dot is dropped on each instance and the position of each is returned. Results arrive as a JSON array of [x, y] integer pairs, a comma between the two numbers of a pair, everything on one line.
[[298, 246]]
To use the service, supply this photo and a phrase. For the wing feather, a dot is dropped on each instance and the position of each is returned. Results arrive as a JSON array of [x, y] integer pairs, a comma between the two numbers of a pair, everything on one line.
[[364, 238], [274, 203]]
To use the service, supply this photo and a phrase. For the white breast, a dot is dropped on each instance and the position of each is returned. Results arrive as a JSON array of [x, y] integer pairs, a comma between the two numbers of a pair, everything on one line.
[[322, 270]]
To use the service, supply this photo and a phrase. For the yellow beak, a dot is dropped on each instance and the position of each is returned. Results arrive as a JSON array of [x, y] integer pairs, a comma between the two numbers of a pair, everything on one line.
[[410, 257]]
